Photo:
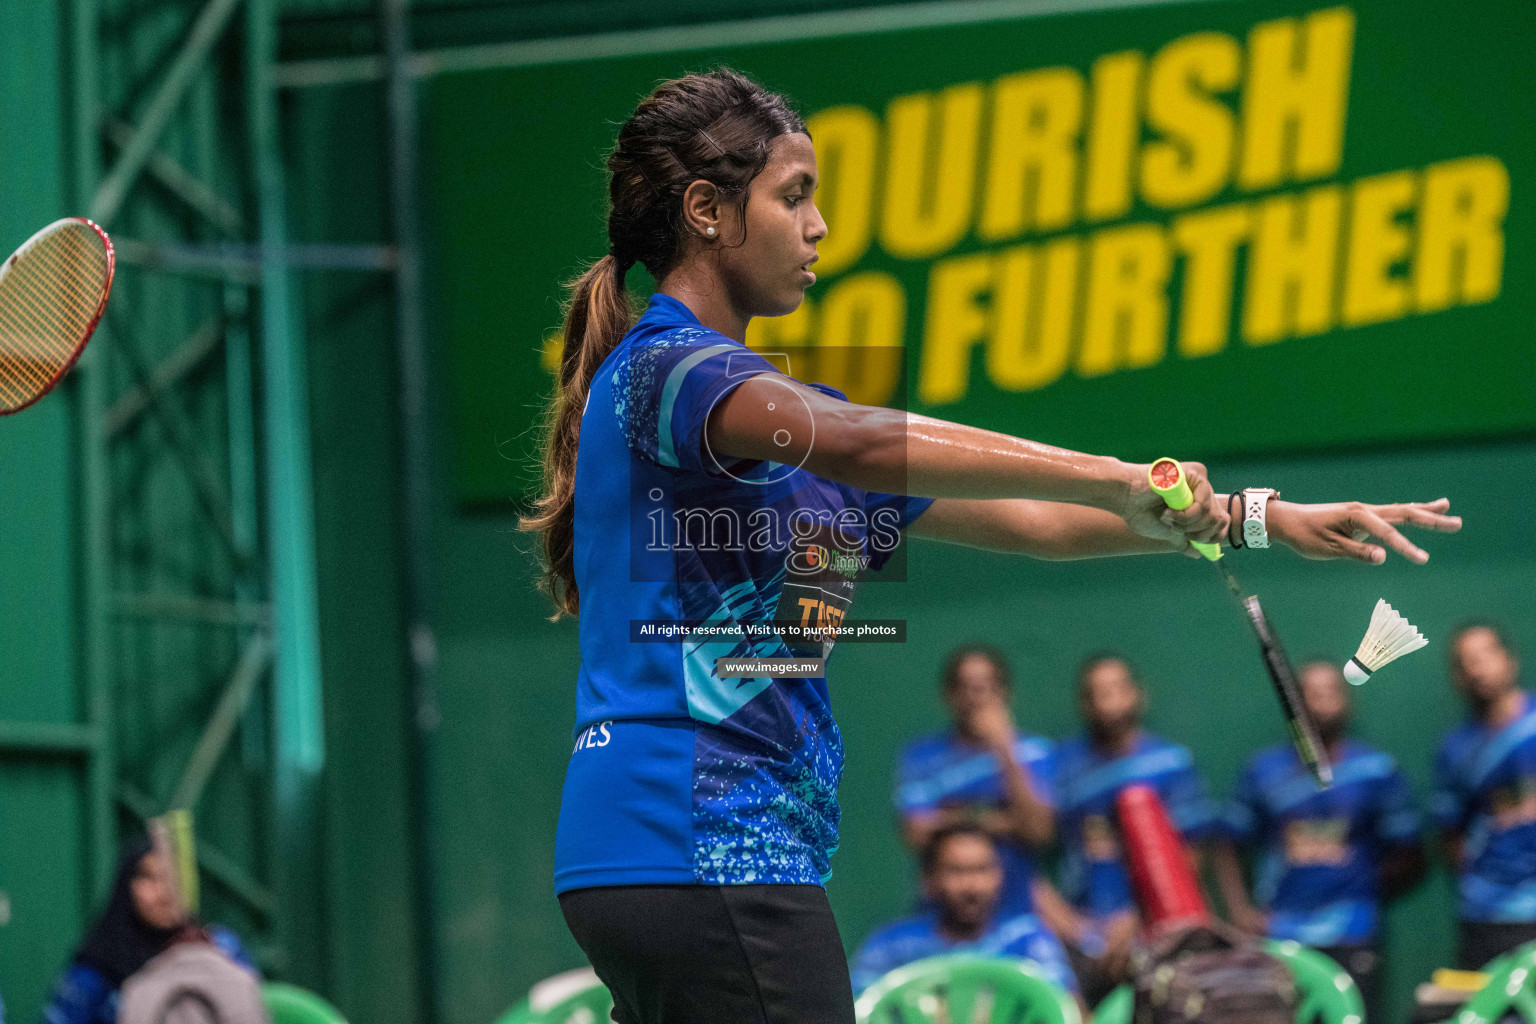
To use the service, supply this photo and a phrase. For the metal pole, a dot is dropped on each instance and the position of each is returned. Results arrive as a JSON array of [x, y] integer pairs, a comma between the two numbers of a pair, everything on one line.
[[62, 739], [221, 725], [416, 480], [206, 30], [95, 487], [298, 731]]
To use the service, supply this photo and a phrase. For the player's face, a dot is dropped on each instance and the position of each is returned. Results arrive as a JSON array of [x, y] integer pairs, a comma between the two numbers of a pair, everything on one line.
[[1111, 699], [977, 684], [1323, 692], [1482, 667], [766, 257], [154, 899], [967, 881]]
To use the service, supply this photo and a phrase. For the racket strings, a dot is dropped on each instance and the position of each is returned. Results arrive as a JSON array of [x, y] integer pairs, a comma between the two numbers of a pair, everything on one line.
[[41, 313], [50, 295]]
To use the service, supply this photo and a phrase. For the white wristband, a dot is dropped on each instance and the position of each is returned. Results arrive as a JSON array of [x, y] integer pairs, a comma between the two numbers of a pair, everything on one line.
[[1255, 526]]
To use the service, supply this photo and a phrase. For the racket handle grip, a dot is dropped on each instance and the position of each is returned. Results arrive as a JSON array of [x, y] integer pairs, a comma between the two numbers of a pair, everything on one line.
[[1167, 480]]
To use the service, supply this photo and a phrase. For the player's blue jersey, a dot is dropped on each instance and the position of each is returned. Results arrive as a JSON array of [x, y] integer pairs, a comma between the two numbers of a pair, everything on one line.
[[678, 775], [1318, 866], [945, 771], [1485, 788], [1017, 935], [1093, 874]]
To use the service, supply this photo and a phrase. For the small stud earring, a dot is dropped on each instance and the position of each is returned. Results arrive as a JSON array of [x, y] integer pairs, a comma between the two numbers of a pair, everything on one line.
[[709, 231]]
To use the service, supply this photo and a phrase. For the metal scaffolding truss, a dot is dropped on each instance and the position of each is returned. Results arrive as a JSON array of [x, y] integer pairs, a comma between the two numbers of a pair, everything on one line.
[[201, 676]]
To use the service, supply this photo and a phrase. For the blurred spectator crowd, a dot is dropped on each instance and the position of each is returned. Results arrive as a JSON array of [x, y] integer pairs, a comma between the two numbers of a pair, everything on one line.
[[1021, 855]]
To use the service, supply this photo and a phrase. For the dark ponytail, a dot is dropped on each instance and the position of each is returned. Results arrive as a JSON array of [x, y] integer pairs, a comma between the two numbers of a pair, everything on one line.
[[717, 127]]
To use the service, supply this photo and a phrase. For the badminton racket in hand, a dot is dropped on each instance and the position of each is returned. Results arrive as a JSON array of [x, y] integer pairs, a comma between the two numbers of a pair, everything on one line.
[[1167, 479], [52, 294]]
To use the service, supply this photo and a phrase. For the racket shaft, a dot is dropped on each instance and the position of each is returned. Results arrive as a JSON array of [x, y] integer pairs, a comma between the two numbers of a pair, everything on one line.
[[1304, 735]]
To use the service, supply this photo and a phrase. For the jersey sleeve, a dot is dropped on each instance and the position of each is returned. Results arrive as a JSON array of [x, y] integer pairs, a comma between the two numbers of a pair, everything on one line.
[[913, 793], [1448, 804], [1041, 948], [229, 943], [1397, 819], [665, 390], [874, 959], [1189, 805], [1042, 775], [78, 997], [1241, 818]]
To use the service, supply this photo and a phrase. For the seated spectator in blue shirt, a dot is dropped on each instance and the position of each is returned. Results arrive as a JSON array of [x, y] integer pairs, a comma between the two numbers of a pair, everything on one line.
[[143, 918], [980, 771], [963, 883], [1485, 797], [1325, 858], [1098, 923]]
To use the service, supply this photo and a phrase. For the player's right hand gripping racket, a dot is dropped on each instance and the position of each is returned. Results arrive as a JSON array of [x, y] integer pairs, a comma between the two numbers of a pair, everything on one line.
[[52, 294], [1167, 479]]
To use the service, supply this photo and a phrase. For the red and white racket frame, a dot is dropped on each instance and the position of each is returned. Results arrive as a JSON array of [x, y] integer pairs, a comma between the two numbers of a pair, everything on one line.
[[101, 307]]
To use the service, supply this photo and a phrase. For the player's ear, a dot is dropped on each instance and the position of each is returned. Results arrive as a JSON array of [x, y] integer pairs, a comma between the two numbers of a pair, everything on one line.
[[701, 210]]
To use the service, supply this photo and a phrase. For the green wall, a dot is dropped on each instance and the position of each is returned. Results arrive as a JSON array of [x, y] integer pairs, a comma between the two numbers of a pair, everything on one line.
[[42, 841], [337, 168]]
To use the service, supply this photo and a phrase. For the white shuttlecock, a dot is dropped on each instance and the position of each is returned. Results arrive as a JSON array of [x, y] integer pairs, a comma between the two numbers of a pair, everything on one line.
[[1389, 637]]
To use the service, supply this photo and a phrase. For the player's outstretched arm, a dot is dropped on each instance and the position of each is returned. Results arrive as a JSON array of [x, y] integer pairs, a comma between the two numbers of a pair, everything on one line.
[[1057, 531], [772, 417], [1058, 504]]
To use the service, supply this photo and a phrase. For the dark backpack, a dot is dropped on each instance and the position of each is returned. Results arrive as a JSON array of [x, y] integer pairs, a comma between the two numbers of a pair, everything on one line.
[[1211, 974]]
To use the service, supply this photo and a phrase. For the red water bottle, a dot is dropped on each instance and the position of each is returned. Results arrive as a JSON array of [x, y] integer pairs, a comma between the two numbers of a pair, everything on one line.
[[1161, 873]]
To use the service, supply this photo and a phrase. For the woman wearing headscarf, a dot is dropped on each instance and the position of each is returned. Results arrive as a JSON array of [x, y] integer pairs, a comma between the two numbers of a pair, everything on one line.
[[143, 919]]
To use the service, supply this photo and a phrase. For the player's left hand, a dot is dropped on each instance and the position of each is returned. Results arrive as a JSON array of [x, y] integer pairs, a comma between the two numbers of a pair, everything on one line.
[[1346, 529]]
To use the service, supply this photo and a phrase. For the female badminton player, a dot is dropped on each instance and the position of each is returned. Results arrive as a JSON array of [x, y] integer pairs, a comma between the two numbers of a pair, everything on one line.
[[690, 483]]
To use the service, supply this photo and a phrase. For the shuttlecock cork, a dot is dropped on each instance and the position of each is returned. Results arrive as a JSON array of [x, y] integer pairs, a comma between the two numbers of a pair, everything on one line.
[[1389, 637]]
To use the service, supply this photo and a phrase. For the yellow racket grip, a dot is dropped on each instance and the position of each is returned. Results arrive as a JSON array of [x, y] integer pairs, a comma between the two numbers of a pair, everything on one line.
[[1166, 478]]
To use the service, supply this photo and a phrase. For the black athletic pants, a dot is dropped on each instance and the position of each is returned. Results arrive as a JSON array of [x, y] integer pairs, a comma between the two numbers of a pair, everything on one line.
[[714, 954], [1481, 941]]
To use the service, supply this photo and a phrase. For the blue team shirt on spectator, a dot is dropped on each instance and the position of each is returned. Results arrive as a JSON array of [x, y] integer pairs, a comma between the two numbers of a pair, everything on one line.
[[1093, 874], [679, 776], [1320, 852], [945, 771], [1018, 935], [1485, 788]]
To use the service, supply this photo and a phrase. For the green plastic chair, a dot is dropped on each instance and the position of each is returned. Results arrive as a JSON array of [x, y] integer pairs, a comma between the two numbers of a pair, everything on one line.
[[584, 1004], [289, 1004], [1511, 989], [1328, 994], [1117, 1007], [1502, 961], [961, 988]]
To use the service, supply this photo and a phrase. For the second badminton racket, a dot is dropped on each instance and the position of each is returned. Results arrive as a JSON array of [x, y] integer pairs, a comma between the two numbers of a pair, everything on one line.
[[53, 291]]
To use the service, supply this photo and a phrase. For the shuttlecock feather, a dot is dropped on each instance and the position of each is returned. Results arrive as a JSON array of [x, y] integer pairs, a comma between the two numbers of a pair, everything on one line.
[[1389, 637]]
